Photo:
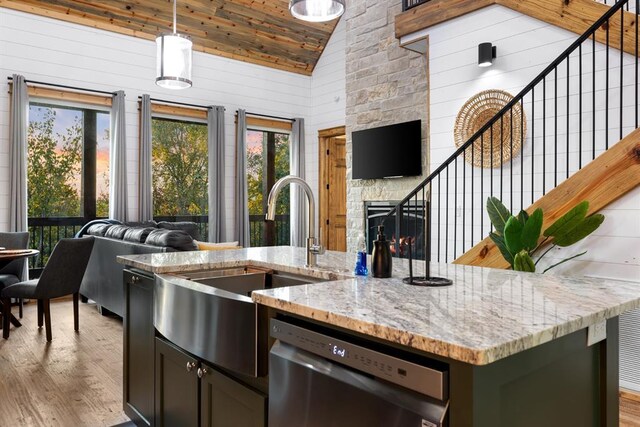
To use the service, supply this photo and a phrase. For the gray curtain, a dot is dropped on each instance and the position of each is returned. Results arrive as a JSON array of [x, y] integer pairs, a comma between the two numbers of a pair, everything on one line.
[[145, 180], [215, 127], [118, 151], [19, 122], [242, 208], [298, 202]]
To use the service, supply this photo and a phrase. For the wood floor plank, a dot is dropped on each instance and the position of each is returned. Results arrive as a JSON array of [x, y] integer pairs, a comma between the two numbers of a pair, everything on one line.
[[76, 380]]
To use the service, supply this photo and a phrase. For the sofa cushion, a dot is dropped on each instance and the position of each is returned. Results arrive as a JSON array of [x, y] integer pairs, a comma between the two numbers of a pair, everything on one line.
[[190, 227], [176, 239], [137, 234], [116, 231], [98, 229]]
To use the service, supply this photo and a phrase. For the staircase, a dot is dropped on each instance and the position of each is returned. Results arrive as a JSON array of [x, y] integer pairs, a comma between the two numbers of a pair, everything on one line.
[[581, 105]]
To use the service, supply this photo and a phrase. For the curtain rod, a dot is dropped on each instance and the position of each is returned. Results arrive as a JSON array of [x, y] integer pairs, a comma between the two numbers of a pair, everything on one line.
[[81, 89], [268, 116], [164, 101]]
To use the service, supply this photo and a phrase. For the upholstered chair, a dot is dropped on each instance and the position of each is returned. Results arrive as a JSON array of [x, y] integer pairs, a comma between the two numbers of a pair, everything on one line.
[[61, 276], [13, 272]]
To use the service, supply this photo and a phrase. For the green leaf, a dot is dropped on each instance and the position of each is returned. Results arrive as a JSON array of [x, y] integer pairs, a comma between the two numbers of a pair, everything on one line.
[[523, 262], [531, 230], [523, 216], [499, 241], [580, 231], [513, 235], [498, 214], [568, 221], [563, 261]]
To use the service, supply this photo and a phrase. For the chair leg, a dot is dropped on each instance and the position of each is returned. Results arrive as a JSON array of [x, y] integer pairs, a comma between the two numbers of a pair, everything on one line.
[[40, 313], [21, 306], [6, 316], [47, 318], [76, 322]]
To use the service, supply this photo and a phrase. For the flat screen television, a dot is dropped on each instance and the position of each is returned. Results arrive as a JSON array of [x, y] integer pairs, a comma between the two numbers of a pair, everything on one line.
[[387, 151]]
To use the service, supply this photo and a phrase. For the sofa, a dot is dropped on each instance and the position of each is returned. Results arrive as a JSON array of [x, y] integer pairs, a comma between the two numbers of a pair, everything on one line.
[[103, 279]]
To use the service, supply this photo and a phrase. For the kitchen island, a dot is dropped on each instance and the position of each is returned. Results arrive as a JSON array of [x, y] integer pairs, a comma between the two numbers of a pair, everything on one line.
[[515, 346]]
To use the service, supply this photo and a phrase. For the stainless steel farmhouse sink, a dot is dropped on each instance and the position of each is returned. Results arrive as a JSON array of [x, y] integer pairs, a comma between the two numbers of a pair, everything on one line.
[[210, 314]]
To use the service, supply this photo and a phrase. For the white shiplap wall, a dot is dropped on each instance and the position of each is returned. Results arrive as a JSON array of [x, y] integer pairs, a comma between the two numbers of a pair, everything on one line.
[[328, 99], [58, 52], [525, 47]]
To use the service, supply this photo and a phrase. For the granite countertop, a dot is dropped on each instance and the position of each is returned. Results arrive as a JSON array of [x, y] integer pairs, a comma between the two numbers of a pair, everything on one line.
[[486, 315]]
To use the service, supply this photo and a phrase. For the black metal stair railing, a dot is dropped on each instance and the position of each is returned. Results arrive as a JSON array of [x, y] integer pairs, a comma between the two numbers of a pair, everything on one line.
[[582, 103]]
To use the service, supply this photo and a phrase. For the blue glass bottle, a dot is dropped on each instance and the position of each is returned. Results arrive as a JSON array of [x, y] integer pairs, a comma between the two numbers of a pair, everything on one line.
[[361, 259]]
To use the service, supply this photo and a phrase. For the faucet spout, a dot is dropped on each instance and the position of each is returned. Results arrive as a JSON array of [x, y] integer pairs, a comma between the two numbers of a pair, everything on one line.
[[313, 248]]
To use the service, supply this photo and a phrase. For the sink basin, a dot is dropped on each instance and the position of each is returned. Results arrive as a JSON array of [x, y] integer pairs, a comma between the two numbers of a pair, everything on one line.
[[244, 280], [211, 315]]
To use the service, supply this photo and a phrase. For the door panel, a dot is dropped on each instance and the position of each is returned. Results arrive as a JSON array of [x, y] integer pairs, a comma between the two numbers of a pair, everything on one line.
[[176, 388], [333, 188], [228, 403]]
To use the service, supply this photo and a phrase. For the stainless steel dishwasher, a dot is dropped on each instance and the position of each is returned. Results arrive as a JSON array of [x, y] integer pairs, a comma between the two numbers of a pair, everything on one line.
[[319, 380]]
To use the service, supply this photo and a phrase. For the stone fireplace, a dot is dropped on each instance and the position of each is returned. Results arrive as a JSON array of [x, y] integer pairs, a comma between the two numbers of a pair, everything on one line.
[[385, 84]]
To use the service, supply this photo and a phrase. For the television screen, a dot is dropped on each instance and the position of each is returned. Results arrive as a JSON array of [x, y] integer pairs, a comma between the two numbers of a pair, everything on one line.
[[387, 151]]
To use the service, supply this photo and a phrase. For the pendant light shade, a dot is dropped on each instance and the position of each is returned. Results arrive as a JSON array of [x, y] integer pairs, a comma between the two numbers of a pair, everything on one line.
[[316, 10], [174, 59]]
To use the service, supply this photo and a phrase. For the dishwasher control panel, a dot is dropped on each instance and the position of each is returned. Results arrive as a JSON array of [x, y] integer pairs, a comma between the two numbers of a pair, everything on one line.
[[422, 379]]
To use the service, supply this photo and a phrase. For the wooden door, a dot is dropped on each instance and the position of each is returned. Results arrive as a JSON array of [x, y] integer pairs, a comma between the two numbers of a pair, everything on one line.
[[333, 189]]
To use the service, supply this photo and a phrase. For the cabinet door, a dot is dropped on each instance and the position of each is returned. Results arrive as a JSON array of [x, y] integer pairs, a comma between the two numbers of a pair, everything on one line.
[[176, 388], [228, 403], [139, 353]]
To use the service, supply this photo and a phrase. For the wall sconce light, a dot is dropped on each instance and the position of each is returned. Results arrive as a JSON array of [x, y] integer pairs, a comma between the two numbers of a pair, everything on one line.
[[486, 54]]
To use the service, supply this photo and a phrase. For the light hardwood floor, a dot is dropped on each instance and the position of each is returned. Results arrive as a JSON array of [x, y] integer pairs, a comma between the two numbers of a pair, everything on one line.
[[76, 380]]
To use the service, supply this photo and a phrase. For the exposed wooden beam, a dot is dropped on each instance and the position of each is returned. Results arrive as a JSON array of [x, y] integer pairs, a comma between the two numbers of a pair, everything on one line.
[[435, 12], [572, 15], [611, 175]]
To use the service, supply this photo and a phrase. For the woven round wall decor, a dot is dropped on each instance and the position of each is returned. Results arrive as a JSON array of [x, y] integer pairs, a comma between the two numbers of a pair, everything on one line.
[[507, 133]]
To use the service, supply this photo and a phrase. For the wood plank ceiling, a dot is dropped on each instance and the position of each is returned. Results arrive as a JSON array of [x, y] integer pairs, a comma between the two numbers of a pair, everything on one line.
[[257, 31]]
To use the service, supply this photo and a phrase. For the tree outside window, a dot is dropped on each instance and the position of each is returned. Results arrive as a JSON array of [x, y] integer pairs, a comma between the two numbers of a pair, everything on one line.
[[67, 172], [267, 161], [180, 170]]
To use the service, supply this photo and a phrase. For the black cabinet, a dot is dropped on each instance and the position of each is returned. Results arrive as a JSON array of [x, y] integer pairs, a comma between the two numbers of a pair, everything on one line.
[[176, 387], [225, 402], [139, 352], [190, 393]]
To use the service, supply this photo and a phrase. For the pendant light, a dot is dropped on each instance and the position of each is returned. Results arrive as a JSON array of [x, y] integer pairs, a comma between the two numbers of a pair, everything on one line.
[[316, 10], [173, 61]]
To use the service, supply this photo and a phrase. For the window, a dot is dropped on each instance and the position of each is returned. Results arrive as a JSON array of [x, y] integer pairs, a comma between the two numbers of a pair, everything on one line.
[[180, 170], [267, 161], [67, 172]]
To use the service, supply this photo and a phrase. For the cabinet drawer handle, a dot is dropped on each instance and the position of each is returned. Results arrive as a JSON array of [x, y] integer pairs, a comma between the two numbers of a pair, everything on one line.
[[202, 372], [135, 279], [190, 366]]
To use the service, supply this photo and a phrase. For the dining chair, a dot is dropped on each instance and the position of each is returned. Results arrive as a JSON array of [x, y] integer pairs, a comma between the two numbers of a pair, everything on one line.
[[12, 272], [62, 275]]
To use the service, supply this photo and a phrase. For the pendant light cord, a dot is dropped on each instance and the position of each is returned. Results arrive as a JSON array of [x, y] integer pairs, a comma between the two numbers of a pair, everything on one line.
[[174, 16]]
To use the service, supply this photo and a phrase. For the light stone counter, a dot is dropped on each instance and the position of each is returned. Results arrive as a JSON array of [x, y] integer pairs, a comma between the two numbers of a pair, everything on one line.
[[486, 315]]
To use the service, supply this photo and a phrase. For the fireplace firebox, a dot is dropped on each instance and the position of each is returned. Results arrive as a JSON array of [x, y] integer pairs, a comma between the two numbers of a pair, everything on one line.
[[409, 227]]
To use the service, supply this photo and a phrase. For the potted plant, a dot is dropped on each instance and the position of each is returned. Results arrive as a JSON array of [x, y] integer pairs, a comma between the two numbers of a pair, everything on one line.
[[519, 237]]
